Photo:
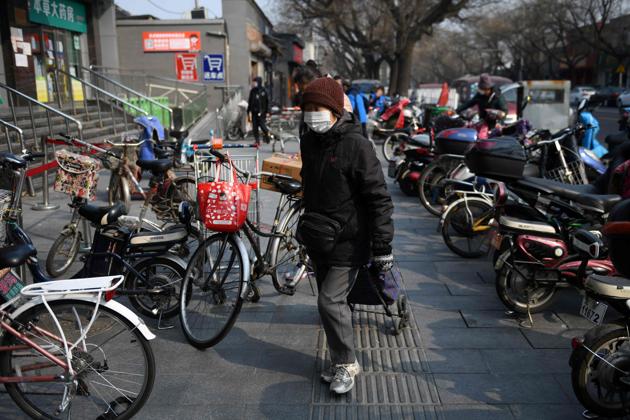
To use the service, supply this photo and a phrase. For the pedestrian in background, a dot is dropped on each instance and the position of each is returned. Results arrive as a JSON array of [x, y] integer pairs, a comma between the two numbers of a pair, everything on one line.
[[347, 219], [257, 110], [358, 104]]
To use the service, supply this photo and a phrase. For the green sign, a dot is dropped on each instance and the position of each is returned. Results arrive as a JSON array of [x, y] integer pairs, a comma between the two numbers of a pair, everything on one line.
[[65, 14]]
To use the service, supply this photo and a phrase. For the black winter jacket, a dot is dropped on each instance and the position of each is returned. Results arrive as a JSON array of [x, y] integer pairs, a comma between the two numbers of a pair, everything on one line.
[[343, 179], [258, 102]]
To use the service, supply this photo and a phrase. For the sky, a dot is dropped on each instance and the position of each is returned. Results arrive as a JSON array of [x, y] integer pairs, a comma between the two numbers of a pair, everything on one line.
[[174, 9]]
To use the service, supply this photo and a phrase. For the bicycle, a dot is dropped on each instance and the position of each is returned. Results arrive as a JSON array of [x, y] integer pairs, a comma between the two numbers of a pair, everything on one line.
[[164, 204], [76, 237], [66, 346], [220, 275]]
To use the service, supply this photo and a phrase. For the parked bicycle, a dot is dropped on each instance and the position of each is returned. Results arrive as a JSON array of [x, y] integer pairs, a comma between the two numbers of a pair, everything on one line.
[[66, 347], [123, 177], [220, 275]]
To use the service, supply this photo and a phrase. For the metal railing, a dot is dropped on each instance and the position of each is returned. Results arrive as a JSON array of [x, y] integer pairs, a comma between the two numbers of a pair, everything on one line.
[[129, 92], [115, 102], [177, 91], [12, 98], [195, 109], [8, 127]]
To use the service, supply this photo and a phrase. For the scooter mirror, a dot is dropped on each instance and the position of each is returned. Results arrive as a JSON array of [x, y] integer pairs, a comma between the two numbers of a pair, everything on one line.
[[587, 244]]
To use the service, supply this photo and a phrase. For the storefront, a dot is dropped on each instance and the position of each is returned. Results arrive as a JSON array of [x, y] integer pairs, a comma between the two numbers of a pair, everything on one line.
[[38, 35]]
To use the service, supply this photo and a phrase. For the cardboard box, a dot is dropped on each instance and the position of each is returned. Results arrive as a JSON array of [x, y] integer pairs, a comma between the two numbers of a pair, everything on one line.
[[282, 164]]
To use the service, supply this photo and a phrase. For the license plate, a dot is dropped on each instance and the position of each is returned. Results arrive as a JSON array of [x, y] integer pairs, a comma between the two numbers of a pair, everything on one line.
[[593, 310]]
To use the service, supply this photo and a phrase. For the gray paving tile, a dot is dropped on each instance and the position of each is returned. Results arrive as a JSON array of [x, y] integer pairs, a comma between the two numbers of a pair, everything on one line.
[[456, 361], [527, 361], [499, 389], [485, 319], [436, 318], [476, 412], [485, 302], [469, 338], [547, 411], [277, 411], [551, 339]]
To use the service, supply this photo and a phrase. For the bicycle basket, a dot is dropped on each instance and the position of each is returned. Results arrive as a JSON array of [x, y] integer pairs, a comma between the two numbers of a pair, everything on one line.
[[574, 173], [76, 174]]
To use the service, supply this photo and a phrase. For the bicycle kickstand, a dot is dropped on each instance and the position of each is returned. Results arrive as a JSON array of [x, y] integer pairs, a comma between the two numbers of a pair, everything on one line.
[[159, 324]]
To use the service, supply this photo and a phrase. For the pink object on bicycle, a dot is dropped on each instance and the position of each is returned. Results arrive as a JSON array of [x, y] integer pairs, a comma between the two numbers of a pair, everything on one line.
[[223, 205]]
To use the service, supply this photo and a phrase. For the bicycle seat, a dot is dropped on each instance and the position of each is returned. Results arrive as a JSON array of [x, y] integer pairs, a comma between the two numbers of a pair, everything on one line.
[[158, 166], [11, 161], [582, 194], [163, 154], [286, 185], [15, 255], [102, 215]]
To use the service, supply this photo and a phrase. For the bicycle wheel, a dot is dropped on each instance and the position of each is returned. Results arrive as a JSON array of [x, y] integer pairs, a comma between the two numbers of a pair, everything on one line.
[[287, 254], [63, 251], [465, 228], [114, 365], [157, 273], [212, 297], [183, 188], [119, 191], [389, 147], [430, 189]]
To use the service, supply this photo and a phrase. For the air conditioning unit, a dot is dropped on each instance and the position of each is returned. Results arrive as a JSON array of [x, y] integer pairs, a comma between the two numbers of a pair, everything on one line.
[[200, 13]]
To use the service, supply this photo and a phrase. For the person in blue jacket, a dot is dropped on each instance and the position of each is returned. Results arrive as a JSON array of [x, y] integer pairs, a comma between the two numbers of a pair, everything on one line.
[[358, 105], [379, 100]]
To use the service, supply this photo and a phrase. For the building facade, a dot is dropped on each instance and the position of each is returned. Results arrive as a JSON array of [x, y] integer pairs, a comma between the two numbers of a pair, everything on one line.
[[37, 35]]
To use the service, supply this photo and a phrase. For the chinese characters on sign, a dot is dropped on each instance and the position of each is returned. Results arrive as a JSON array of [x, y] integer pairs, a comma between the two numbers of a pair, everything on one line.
[[186, 65], [66, 14], [213, 69], [171, 41]]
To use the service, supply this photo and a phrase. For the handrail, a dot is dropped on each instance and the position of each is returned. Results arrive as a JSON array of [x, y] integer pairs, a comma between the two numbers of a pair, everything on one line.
[[131, 91], [143, 73], [18, 130], [43, 105], [103, 91]]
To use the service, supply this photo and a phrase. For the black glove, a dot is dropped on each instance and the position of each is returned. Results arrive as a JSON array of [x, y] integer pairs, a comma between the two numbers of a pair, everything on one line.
[[383, 263]]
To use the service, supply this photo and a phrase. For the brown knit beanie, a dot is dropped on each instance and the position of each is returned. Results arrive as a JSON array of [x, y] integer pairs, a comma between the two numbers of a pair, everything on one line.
[[325, 92]]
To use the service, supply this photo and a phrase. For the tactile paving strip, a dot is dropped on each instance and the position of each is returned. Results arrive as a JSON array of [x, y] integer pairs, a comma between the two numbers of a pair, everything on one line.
[[377, 412], [383, 389], [394, 360]]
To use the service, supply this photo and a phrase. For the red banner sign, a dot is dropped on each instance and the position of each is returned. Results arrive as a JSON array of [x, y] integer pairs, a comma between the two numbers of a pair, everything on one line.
[[186, 65], [171, 41]]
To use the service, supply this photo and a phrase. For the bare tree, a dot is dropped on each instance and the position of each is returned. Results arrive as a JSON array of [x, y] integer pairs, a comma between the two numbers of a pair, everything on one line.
[[383, 30]]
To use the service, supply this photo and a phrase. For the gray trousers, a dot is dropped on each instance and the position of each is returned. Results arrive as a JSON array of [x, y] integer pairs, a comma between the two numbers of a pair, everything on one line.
[[334, 284]]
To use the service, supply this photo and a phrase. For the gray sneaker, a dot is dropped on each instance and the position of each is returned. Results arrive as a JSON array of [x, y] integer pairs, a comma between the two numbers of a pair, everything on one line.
[[328, 374], [343, 381]]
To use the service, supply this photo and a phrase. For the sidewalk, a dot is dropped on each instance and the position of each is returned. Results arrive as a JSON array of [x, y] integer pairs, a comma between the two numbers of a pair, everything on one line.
[[461, 358]]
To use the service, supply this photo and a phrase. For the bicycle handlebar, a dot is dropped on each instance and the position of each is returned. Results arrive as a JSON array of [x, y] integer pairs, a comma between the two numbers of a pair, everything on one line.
[[71, 141]]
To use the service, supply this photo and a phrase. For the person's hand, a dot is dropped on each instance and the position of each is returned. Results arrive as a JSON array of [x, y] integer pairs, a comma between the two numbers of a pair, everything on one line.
[[249, 118], [383, 263]]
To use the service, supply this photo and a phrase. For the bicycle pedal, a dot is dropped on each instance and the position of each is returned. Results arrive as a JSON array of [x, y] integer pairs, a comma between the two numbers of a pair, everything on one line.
[[287, 290]]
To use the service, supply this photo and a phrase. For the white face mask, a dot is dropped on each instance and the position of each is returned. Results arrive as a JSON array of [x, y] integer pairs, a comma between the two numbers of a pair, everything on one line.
[[318, 121]]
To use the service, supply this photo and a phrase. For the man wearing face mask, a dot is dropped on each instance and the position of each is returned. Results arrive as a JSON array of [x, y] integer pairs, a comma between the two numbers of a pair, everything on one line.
[[347, 219], [257, 110]]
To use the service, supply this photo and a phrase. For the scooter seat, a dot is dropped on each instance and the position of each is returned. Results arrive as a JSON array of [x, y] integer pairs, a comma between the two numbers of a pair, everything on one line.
[[102, 215], [15, 255], [616, 287], [583, 194], [158, 166], [12, 161], [286, 185]]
